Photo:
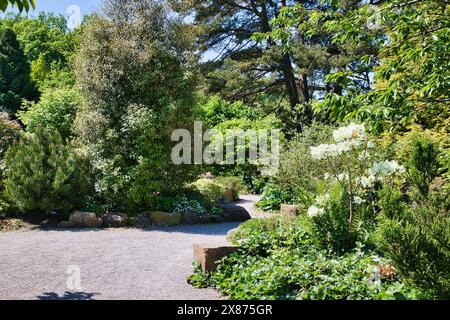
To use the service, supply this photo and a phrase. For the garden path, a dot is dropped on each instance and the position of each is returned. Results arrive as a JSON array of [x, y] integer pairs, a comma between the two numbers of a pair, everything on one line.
[[112, 264]]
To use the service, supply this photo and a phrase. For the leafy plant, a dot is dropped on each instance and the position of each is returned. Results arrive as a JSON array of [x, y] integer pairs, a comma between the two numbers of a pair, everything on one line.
[[56, 110], [44, 173], [184, 205]]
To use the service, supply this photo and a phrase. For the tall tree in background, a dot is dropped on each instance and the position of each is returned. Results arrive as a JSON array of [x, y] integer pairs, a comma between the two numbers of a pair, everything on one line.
[[135, 93], [255, 57], [15, 82]]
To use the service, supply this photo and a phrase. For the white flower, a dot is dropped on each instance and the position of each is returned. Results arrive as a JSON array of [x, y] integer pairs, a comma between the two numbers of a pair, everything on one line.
[[358, 200], [367, 182], [370, 145], [352, 131], [326, 176], [386, 168], [314, 211], [343, 176]]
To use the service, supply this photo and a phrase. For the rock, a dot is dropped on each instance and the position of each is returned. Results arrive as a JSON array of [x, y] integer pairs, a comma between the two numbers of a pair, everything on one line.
[[85, 219], [211, 219], [161, 218], [232, 213], [289, 210], [66, 224], [191, 218], [209, 255], [229, 195], [113, 220], [142, 220]]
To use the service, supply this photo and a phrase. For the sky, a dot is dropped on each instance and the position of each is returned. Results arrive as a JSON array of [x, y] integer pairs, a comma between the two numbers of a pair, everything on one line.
[[62, 6]]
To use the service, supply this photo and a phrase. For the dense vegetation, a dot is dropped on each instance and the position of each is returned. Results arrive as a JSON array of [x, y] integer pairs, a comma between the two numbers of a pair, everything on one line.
[[359, 89]]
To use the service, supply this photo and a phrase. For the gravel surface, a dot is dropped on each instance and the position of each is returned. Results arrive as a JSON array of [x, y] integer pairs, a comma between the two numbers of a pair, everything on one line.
[[113, 264]]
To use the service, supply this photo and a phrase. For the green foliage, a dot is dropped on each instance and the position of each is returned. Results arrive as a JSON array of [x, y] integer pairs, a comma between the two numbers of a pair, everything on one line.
[[43, 173], [217, 110], [273, 196], [416, 236], [135, 93], [56, 110], [184, 205], [20, 4], [9, 133], [332, 227], [298, 169], [236, 184], [15, 82], [423, 165], [49, 47], [411, 73], [279, 260], [211, 189]]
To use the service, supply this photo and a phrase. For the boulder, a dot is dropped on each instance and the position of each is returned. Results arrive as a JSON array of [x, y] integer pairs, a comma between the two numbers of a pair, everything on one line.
[[160, 218], [113, 220], [229, 198], [85, 219], [209, 255], [212, 219], [142, 220], [234, 213], [289, 210], [66, 225], [191, 218]]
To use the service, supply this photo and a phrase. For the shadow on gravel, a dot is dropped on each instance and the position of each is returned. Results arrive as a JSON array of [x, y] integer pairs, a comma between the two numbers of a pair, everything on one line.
[[67, 296]]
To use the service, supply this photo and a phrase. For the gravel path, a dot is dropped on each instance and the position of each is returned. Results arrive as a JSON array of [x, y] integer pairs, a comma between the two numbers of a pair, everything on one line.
[[113, 264]]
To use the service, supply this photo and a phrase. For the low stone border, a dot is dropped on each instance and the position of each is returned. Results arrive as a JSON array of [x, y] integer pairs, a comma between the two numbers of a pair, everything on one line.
[[80, 219]]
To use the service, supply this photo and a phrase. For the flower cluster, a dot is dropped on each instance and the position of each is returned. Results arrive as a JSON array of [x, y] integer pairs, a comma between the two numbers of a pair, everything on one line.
[[346, 138], [379, 171]]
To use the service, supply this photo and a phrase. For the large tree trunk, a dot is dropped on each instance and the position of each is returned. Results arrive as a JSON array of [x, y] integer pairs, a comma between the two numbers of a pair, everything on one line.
[[289, 80]]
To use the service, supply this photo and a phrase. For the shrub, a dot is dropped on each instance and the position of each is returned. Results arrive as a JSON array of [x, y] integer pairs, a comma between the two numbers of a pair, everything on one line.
[[184, 205], [10, 132], [331, 224], [416, 237], [43, 173], [236, 184], [297, 167], [56, 110], [273, 196], [210, 189], [423, 164]]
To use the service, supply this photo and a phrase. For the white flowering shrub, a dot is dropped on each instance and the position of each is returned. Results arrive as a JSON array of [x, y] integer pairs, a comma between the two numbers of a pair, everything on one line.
[[354, 171]]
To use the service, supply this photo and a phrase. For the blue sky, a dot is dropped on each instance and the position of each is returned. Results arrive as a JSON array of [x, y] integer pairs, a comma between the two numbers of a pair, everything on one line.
[[61, 6]]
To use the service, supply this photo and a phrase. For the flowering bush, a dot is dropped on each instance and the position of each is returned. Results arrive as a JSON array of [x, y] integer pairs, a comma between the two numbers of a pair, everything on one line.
[[352, 200]]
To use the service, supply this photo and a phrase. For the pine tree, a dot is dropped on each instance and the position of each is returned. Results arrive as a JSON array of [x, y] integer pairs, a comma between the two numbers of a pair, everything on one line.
[[15, 82], [43, 173]]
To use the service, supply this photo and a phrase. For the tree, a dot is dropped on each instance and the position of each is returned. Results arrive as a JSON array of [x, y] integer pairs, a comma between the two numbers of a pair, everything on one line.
[[44, 173], [256, 60], [411, 72], [135, 93], [49, 46], [15, 82], [20, 4]]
